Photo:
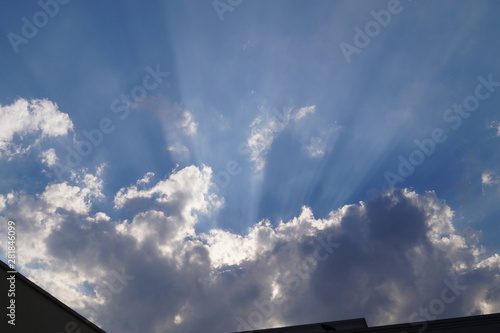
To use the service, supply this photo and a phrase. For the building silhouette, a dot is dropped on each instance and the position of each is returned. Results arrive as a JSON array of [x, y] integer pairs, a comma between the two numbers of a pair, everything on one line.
[[474, 324], [37, 311]]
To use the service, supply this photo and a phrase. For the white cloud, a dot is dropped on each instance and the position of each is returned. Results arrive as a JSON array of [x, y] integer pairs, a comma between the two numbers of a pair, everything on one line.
[[491, 263], [227, 249], [68, 197], [187, 123], [54, 218], [3, 202], [190, 185], [304, 111], [263, 131], [93, 183], [146, 179], [179, 151], [152, 225], [489, 178], [28, 117], [316, 147], [265, 128], [49, 157], [99, 217], [496, 125], [78, 197]]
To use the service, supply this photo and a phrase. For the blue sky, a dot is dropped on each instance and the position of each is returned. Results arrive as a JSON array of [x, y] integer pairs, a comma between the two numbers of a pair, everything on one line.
[[257, 128]]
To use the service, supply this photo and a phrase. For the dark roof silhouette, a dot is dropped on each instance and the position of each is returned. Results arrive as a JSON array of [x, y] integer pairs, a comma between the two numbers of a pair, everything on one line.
[[38, 311]]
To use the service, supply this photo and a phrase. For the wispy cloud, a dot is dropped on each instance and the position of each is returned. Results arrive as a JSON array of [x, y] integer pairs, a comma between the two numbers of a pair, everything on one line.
[[489, 178], [316, 147], [187, 123], [302, 112], [496, 125], [265, 128]]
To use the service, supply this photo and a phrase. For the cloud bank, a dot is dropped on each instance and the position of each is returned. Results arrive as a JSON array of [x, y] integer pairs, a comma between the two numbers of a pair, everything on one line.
[[384, 259]]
